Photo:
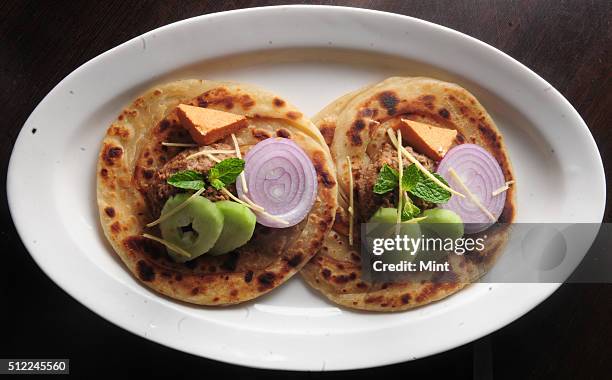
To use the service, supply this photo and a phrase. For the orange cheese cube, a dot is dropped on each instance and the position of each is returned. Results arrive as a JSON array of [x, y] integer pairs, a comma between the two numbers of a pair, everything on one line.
[[206, 125], [431, 141]]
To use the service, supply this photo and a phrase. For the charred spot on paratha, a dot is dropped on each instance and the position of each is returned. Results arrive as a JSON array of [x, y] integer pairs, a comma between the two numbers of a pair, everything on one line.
[[282, 132], [163, 125], [111, 154], [145, 271], [374, 299], [488, 134], [147, 173], [327, 130], [354, 133], [292, 115], [222, 97], [325, 177], [342, 278], [246, 102], [141, 246], [428, 101], [115, 227], [295, 260], [323, 223], [119, 131], [266, 280], [389, 100], [230, 262], [216, 96], [326, 273], [368, 112], [260, 134]]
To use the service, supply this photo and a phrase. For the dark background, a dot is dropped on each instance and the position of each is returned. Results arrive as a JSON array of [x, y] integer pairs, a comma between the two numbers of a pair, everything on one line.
[[566, 42]]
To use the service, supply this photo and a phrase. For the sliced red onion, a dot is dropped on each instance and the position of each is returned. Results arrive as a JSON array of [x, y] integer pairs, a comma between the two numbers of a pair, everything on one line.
[[280, 178], [481, 173]]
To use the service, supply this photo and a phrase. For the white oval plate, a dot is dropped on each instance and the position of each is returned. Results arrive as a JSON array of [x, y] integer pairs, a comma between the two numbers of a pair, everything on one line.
[[304, 54]]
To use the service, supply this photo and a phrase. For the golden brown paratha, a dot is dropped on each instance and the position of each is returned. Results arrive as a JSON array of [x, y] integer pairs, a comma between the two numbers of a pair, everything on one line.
[[354, 125], [132, 154]]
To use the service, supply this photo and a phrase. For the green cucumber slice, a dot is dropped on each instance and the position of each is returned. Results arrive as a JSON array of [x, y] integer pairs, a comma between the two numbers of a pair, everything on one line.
[[238, 227], [195, 228]]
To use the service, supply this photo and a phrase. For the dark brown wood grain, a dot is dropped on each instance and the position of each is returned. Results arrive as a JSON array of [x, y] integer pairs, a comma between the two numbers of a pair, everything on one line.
[[566, 42]]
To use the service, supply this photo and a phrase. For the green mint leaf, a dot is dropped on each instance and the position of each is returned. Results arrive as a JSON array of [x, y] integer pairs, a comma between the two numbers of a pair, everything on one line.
[[387, 180], [409, 210], [187, 179], [410, 177], [217, 184], [426, 189], [225, 172]]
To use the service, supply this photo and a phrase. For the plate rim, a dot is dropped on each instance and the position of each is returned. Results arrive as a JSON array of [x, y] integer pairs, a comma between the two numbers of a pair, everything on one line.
[[13, 185]]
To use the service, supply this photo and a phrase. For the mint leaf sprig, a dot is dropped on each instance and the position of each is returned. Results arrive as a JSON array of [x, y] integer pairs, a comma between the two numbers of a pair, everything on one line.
[[414, 182], [187, 179], [422, 186], [409, 210], [388, 179], [224, 173]]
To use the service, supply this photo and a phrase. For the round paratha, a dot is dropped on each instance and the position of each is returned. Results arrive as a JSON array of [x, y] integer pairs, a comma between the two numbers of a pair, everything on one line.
[[131, 156], [354, 126]]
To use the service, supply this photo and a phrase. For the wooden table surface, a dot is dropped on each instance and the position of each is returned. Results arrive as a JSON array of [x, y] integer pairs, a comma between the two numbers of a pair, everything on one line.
[[568, 43]]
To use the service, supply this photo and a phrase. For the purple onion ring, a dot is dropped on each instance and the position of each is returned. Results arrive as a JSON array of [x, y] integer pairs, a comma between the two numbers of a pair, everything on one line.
[[481, 173], [280, 178]]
